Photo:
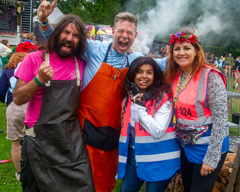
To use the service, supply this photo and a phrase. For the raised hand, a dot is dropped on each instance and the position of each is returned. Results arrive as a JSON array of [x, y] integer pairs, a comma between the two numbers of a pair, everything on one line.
[[45, 9], [45, 72], [193, 31]]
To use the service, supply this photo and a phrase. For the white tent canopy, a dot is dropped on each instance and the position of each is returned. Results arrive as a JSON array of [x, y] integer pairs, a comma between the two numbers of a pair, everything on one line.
[[53, 18]]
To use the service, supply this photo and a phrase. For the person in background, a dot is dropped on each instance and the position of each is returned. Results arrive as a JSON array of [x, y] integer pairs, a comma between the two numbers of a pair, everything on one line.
[[236, 78], [6, 43], [54, 156], [28, 43], [207, 55], [200, 117], [237, 61], [147, 131], [221, 64], [6, 58], [4, 52], [211, 59], [14, 114], [229, 63], [216, 61]]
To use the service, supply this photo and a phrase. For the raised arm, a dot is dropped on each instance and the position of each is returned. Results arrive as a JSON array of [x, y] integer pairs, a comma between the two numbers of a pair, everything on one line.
[[23, 92], [44, 10]]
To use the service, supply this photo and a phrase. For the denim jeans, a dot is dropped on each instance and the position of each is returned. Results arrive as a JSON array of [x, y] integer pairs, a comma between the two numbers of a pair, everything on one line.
[[132, 183]]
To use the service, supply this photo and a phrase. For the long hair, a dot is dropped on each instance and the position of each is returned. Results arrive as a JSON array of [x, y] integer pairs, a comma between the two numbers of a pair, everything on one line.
[[54, 37], [172, 68], [15, 59], [159, 87]]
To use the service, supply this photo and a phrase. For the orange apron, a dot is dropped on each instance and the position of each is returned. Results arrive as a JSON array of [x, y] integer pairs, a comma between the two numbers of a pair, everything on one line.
[[100, 118]]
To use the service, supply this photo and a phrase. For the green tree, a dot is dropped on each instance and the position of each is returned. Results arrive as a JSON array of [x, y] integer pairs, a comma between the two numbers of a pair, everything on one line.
[[97, 11]]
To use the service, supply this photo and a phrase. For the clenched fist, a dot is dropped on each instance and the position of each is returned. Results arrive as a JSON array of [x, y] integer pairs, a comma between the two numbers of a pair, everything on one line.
[[45, 72]]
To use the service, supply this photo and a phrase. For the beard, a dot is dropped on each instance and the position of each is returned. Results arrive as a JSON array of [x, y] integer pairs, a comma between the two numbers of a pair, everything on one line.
[[62, 53]]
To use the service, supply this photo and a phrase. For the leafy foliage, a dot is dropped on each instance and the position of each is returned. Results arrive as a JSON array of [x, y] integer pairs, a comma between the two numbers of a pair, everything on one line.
[[104, 11]]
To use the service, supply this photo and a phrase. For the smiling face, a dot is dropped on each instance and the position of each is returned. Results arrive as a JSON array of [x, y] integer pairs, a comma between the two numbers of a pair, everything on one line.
[[184, 54], [124, 35], [68, 41], [144, 77]]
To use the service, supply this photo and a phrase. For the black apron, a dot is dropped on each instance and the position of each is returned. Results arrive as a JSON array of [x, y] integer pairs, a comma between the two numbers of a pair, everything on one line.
[[57, 154]]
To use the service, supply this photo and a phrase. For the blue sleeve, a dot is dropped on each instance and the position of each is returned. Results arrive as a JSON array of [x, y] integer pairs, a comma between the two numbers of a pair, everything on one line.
[[162, 63], [4, 87], [46, 34], [223, 64]]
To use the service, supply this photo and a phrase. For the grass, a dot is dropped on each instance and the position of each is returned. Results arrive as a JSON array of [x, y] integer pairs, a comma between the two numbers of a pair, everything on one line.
[[8, 182]]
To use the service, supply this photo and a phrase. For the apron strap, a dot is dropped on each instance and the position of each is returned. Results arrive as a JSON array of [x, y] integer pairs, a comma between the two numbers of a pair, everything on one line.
[[47, 84], [106, 56], [127, 61], [77, 72], [76, 66]]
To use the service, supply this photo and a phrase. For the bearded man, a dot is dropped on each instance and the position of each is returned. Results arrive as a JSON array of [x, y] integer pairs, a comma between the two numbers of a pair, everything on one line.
[[54, 155]]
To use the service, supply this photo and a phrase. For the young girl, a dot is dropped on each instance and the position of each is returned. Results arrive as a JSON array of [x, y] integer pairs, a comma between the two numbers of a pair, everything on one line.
[[148, 150]]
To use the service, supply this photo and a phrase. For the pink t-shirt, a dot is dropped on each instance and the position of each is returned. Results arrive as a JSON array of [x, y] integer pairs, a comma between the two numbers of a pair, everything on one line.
[[64, 69]]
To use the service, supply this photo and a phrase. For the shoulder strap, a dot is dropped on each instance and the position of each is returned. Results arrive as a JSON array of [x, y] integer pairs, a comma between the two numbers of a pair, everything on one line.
[[106, 56], [76, 65]]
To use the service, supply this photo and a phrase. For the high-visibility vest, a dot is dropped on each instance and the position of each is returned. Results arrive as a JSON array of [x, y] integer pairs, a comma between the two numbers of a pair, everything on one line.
[[156, 159], [192, 109]]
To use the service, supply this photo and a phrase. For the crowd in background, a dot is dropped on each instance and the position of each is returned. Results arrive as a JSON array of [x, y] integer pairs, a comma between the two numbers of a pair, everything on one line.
[[225, 62], [15, 115]]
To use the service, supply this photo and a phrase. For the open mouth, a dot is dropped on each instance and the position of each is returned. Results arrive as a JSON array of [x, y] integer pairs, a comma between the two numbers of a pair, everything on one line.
[[123, 44], [143, 82], [66, 47]]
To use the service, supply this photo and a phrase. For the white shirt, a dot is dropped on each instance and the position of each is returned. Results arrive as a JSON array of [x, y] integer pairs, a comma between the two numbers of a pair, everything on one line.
[[157, 125], [4, 50]]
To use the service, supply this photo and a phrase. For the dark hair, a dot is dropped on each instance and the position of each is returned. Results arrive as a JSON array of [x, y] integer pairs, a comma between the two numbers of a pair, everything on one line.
[[4, 41], [54, 37], [159, 87]]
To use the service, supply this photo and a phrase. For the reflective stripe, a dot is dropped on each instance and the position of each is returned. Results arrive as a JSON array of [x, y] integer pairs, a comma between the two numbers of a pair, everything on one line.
[[122, 159], [150, 139], [200, 92], [203, 140], [158, 157], [201, 121], [123, 139]]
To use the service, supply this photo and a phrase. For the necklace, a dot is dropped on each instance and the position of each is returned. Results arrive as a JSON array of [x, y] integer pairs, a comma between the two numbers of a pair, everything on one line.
[[178, 91], [113, 74]]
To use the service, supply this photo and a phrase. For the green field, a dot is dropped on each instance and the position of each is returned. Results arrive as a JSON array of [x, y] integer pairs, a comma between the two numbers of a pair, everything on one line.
[[8, 182]]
